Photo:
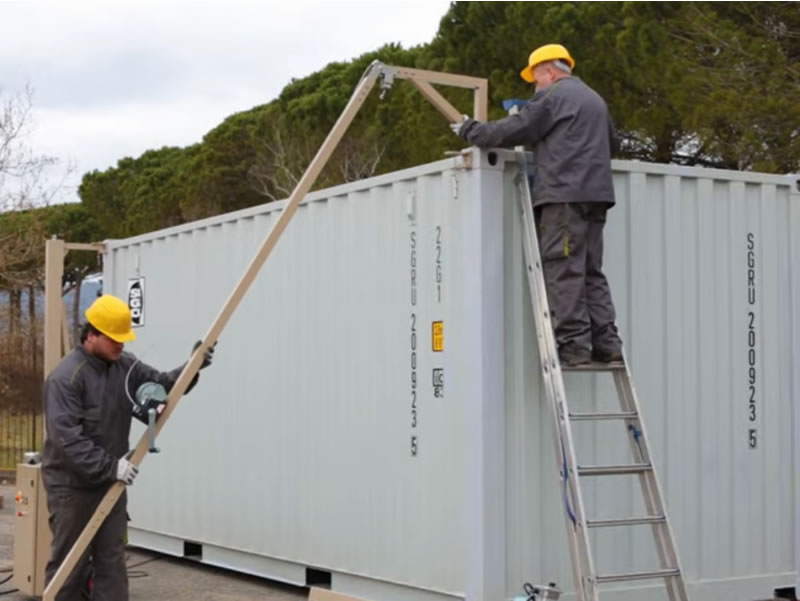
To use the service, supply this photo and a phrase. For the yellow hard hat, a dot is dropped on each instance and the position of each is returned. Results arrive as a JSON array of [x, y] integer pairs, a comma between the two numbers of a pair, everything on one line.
[[548, 52], [112, 317]]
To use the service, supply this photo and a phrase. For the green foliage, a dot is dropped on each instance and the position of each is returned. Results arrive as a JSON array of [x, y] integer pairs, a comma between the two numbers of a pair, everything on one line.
[[743, 67], [708, 83], [22, 235], [138, 194], [74, 223]]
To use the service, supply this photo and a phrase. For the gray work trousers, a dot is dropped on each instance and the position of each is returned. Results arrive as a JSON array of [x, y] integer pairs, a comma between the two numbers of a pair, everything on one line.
[[70, 510], [571, 244]]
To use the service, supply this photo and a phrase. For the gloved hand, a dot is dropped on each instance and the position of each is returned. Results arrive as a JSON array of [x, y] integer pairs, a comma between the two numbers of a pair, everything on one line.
[[126, 471], [208, 356], [458, 127]]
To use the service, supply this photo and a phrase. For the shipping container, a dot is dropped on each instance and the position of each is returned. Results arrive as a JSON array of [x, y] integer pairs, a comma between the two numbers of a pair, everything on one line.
[[375, 418]]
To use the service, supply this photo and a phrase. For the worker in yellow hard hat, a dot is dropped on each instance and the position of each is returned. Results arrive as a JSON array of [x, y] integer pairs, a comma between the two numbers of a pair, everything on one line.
[[570, 129], [88, 404], [541, 57]]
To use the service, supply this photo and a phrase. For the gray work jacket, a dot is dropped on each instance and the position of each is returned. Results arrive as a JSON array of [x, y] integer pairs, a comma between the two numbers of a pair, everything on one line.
[[570, 129], [88, 417]]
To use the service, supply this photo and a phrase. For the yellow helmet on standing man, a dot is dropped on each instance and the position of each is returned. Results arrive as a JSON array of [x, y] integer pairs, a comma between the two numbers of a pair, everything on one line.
[[548, 52], [112, 317]]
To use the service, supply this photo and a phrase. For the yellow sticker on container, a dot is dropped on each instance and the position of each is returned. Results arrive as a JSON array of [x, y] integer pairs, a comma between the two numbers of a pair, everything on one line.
[[438, 336]]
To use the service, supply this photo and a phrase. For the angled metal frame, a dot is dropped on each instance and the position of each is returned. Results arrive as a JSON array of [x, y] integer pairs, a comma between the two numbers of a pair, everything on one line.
[[423, 80], [56, 333]]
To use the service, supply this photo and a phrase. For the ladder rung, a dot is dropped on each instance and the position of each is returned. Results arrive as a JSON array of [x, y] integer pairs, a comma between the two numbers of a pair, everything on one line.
[[673, 573], [651, 519], [594, 367], [598, 416], [614, 470]]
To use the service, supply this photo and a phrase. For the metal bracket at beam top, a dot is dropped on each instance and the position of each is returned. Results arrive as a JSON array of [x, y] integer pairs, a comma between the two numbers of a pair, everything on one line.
[[387, 75], [424, 81]]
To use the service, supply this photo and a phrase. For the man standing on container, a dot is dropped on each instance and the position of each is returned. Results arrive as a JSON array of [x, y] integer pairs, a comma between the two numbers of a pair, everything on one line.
[[87, 411], [570, 129]]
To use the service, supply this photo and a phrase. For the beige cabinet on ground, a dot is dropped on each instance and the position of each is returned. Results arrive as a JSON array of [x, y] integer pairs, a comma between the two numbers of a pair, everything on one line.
[[31, 531]]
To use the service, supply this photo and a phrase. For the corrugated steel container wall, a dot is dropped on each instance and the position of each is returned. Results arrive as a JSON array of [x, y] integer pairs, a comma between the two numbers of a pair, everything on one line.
[[678, 246], [297, 444], [296, 448]]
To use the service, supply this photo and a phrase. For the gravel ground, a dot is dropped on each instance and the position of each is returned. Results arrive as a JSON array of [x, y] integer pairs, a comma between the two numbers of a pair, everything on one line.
[[162, 577]]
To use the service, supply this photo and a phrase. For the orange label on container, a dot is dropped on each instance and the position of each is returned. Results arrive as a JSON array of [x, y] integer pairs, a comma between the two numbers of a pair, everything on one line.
[[438, 336]]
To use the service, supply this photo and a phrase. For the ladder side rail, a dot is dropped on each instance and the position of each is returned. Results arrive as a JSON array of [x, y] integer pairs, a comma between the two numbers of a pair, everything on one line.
[[640, 454], [651, 490], [575, 554], [551, 371]]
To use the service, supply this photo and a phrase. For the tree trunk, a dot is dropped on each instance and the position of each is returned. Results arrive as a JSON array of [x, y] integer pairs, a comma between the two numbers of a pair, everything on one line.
[[33, 340], [14, 310], [76, 305], [34, 335]]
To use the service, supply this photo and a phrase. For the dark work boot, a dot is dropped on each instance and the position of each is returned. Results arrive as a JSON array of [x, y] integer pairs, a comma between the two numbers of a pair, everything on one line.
[[571, 356], [604, 356]]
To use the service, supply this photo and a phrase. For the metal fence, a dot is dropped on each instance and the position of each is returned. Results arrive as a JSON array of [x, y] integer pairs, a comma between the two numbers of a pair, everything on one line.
[[21, 327], [19, 432]]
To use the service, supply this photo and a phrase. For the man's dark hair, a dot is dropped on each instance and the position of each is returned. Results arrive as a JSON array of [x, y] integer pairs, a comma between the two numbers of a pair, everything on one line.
[[88, 329]]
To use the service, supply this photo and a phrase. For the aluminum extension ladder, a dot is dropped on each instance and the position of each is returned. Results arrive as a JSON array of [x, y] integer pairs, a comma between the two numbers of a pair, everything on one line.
[[587, 581]]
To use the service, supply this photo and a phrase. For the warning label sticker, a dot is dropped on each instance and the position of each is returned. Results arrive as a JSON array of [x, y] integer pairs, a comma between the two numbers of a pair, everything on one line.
[[438, 336]]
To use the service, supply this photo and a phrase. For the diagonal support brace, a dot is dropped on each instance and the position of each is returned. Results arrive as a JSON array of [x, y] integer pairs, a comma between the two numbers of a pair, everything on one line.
[[365, 85]]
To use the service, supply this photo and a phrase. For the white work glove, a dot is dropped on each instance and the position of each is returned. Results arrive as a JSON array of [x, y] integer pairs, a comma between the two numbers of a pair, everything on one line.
[[126, 471], [459, 125]]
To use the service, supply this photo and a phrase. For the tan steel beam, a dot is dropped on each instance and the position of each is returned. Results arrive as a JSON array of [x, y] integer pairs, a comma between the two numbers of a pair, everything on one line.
[[97, 247], [53, 305], [482, 102], [191, 368], [437, 77], [422, 79], [437, 100]]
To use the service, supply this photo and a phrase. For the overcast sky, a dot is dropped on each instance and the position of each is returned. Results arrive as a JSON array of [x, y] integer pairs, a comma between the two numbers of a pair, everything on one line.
[[113, 79]]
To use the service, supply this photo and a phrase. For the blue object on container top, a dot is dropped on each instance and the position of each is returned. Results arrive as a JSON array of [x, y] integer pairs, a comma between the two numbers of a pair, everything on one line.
[[507, 104]]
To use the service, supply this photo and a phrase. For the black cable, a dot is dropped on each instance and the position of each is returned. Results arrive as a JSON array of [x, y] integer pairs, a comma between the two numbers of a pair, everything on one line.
[[138, 574], [7, 579], [13, 590], [530, 590], [141, 563], [129, 572]]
